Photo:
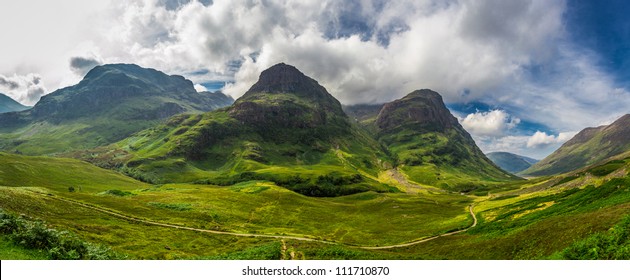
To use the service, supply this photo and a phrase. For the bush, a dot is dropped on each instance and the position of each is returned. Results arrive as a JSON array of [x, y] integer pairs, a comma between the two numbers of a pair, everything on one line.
[[611, 245], [60, 245], [118, 193]]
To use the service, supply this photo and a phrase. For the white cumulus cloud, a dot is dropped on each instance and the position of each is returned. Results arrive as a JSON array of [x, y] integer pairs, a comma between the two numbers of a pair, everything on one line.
[[200, 88], [542, 139], [26, 89], [491, 123]]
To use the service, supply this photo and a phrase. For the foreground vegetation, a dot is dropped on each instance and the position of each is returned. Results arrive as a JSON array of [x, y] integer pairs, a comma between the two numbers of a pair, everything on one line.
[[34, 238], [567, 217]]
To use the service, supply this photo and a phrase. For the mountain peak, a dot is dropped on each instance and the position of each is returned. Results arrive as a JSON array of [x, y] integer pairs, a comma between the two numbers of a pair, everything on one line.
[[125, 74], [285, 97], [424, 107], [284, 78], [424, 93]]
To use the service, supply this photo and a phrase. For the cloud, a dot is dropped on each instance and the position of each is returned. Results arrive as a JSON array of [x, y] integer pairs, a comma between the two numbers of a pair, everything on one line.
[[26, 89], [6, 82], [200, 88], [513, 55], [542, 139], [82, 65], [491, 123]]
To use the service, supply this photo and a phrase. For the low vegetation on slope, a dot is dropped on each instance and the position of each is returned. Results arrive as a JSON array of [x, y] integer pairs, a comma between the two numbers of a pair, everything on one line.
[[35, 238], [590, 146], [110, 103]]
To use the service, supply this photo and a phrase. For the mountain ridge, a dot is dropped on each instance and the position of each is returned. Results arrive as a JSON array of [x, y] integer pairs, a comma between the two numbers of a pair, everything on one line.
[[510, 162], [7, 104], [112, 102], [589, 146], [288, 129]]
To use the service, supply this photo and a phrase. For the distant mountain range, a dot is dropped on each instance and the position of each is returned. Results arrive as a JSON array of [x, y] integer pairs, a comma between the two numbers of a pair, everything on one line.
[[110, 103], [288, 129], [590, 146], [512, 163], [9, 105]]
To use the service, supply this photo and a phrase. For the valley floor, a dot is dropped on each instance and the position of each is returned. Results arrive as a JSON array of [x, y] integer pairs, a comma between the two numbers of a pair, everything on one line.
[[536, 219]]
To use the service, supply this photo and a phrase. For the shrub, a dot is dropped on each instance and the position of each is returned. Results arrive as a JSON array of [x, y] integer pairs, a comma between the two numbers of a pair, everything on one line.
[[611, 245], [60, 245], [117, 193]]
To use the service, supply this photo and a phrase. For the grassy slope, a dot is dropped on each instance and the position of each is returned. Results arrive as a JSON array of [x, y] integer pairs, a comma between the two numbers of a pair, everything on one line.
[[442, 160], [10, 251], [58, 174], [590, 146], [216, 148], [534, 219], [251, 207], [109, 104]]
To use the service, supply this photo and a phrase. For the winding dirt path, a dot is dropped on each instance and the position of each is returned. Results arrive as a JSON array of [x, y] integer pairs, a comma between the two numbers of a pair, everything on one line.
[[472, 214], [285, 237]]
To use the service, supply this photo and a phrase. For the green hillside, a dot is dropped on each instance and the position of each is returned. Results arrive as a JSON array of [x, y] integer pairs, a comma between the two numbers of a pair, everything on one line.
[[94, 208], [109, 104], [431, 146], [511, 162], [285, 173], [287, 129], [588, 147], [554, 217]]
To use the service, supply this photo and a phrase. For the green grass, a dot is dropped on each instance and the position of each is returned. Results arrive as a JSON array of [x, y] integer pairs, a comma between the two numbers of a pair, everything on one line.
[[535, 219], [36, 239], [11, 251], [59, 174], [611, 245], [261, 207]]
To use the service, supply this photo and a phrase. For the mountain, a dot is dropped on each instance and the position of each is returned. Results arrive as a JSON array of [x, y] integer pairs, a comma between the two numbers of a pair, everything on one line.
[[431, 146], [9, 105], [286, 128], [511, 162], [110, 103], [588, 147]]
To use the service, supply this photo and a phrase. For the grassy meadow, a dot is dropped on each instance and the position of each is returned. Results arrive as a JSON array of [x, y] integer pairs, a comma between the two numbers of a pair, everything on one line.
[[544, 218]]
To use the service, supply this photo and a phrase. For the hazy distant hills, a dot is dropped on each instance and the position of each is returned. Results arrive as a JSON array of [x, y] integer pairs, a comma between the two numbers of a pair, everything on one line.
[[363, 113], [9, 105], [109, 104], [512, 163], [588, 147]]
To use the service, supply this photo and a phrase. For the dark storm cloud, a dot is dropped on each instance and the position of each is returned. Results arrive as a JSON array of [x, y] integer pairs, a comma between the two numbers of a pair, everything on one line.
[[8, 83], [82, 65]]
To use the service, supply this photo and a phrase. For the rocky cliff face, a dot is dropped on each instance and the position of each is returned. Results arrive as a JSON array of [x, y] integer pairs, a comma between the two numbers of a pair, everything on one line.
[[284, 97], [423, 107]]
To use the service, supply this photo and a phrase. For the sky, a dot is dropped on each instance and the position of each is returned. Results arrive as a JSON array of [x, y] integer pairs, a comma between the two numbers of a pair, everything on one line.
[[521, 76]]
